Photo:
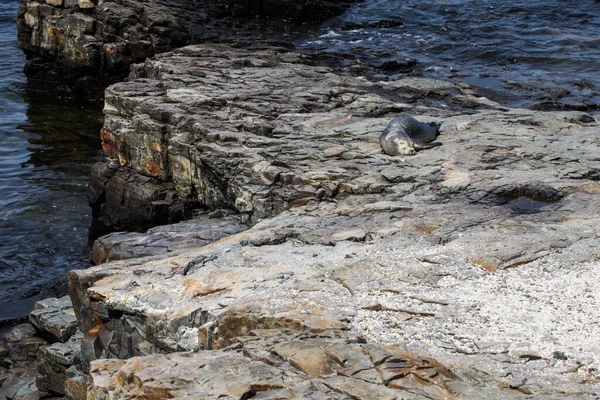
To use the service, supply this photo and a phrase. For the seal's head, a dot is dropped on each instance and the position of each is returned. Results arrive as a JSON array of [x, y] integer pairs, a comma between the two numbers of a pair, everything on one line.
[[403, 147]]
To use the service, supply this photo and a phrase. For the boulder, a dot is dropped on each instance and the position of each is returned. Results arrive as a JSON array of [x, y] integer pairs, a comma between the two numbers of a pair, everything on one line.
[[54, 318], [53, 363], [20, 346], [20, 384]]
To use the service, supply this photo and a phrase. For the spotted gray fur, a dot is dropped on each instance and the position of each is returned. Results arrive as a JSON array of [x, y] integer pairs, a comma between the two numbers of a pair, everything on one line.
[[405, 135]]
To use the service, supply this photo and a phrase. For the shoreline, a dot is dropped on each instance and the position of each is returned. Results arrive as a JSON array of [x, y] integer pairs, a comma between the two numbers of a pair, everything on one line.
[[350, 256], [361, 243]]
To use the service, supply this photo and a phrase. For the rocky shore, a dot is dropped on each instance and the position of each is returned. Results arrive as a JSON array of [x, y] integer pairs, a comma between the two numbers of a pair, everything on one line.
[[76, 48], [312, 265]]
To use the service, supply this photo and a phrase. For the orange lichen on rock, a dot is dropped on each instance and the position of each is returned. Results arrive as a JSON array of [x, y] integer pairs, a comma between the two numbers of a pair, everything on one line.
[[57, 36], [489, 266], [109, 143], [160, 147], [153, 168]]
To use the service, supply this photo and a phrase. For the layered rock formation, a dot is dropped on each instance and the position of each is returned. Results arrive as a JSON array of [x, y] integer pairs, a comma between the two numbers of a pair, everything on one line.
[[254, 113], [174, 238], [272, 364], [76, 48], [481, 253], [18, 355], [441, 252], [35, 356]]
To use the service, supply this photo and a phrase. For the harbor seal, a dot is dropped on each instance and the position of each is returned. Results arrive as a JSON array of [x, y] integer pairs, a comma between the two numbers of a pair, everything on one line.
[[405, 135]]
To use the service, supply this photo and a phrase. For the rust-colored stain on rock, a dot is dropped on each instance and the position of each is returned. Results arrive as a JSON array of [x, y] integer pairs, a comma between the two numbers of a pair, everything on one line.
[[152, 167], [485, 264], [159, 147], [123, 160], [57, 36], [109, 143], [197, 288], [94, 330], [426, 228]]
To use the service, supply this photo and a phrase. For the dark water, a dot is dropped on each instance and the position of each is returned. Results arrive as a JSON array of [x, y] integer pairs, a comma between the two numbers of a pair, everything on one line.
[[46, 150], [537, 48]]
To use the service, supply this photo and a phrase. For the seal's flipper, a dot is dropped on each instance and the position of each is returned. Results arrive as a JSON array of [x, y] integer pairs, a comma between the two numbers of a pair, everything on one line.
[[424, 146]]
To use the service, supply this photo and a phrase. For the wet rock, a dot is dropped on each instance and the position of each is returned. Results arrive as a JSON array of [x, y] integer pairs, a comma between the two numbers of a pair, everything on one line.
[[403, 66], [384, 23], [54, 317], [563, 104]]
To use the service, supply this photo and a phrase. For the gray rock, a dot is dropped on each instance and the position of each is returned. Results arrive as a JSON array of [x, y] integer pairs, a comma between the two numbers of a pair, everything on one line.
[[53, 363], [80, 46], [517, 382], [20, 384], [147, 201], [20, 346], [300, 366], [54, 317], [490, 238], [172, 239]]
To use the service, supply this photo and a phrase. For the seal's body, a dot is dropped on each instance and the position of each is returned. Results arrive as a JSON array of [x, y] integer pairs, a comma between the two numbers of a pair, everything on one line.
[[405, 135]]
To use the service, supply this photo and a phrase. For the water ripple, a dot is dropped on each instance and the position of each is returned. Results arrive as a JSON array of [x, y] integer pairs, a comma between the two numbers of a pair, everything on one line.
[[548, 43], [46, 151]]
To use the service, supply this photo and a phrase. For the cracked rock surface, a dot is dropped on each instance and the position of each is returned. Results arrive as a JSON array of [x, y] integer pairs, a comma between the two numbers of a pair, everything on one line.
[[481, 253], [278, 364]]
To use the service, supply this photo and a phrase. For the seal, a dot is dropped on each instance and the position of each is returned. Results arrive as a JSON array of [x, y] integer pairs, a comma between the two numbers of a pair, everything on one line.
[[405, 135]]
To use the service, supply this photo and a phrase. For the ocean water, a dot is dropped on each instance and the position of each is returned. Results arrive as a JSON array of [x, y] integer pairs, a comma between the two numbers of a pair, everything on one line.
[[548, 49], [46, 151]]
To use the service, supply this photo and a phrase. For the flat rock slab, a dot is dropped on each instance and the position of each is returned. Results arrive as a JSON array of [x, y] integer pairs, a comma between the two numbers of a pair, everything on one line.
[[481, 252], [275, 364], [171, 239]]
